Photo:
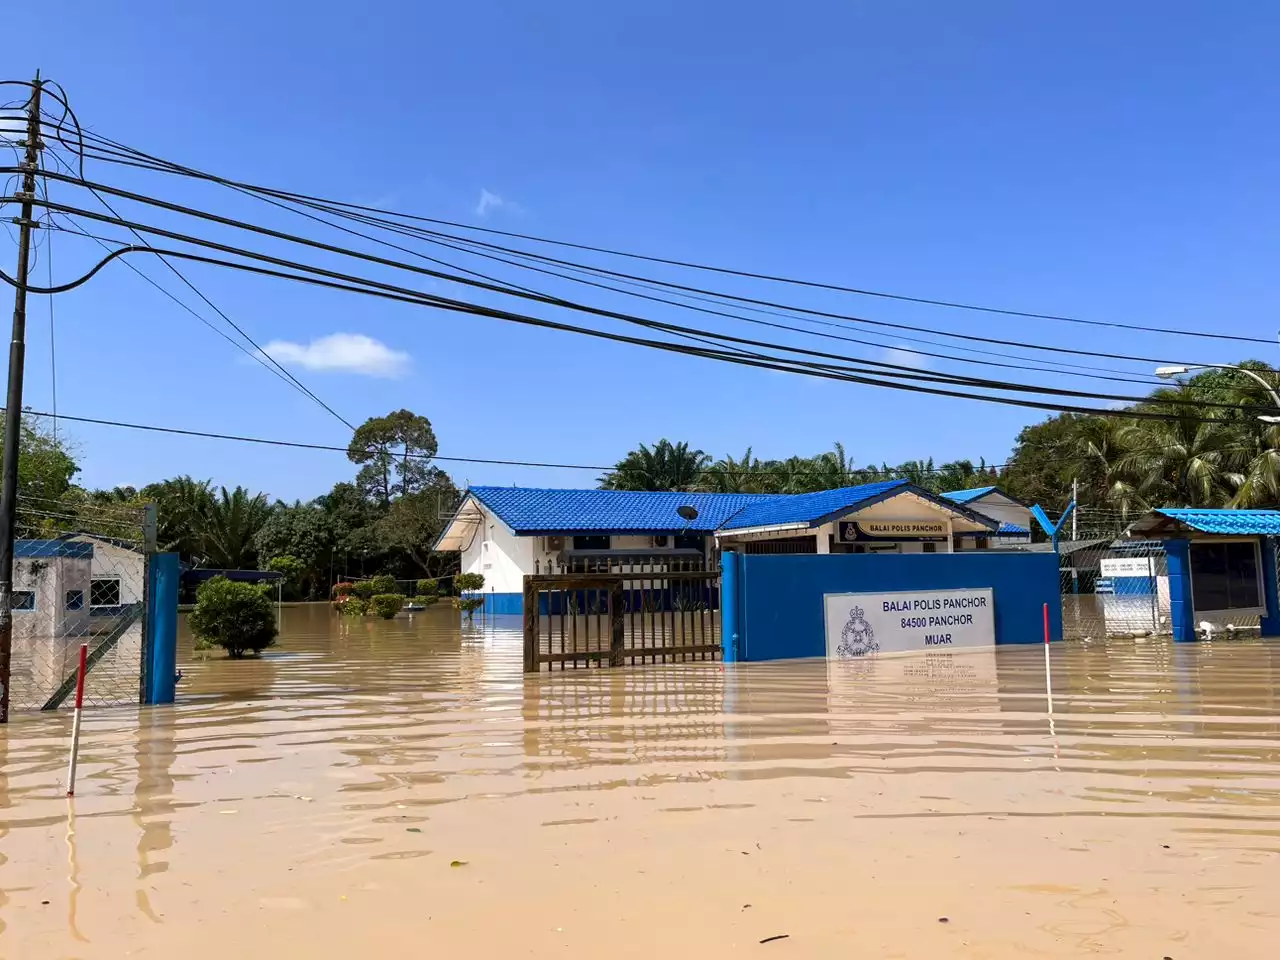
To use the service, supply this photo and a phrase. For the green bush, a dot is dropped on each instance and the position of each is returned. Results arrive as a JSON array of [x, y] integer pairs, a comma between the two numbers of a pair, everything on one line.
[[292, 570], [469, 605], [468, 582], [384, 583], [363, 589], [354, 606], [428, 588], [342, 589], [235, 616], [386, 605]]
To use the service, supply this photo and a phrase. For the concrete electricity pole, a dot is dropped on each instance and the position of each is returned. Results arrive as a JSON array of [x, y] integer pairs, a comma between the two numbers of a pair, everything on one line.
[[13, 402]]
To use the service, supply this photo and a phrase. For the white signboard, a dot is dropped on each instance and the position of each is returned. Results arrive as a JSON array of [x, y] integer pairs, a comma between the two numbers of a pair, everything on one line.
[[1127, 567], [859, 624]]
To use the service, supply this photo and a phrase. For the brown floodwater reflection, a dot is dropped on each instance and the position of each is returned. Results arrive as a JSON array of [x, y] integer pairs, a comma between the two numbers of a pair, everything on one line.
[[402, 786]]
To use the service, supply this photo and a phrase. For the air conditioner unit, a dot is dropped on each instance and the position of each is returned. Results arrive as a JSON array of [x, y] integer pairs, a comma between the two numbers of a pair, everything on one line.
[[659, 541], [555, 544]]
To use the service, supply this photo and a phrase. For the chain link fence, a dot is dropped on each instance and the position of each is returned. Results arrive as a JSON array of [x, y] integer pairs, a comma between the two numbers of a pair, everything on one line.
[[80, 576]]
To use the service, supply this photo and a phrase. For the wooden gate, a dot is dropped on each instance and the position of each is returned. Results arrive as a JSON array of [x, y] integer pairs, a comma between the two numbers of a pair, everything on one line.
[[618, 618]]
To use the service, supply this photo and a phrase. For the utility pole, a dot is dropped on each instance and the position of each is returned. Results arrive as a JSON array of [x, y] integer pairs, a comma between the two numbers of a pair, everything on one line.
[[13, 402]]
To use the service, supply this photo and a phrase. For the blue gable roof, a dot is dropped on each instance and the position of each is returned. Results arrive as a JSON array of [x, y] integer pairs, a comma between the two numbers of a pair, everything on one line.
[[41, 549], [968, 496], [1224, 522], [532, 511], [811, 507]]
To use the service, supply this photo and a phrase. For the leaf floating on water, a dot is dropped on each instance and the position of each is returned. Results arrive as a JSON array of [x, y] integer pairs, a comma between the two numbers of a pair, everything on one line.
[[457, 863], [776, 936]]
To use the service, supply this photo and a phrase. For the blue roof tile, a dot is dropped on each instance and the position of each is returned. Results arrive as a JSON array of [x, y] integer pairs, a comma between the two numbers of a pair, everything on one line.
[[968, 496], [810, 507], [530, 511], [1229, 522]]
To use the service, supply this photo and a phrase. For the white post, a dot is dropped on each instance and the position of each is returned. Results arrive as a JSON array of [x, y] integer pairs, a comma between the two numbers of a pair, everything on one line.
[[1075, 511], [951, 535], [75, 723]]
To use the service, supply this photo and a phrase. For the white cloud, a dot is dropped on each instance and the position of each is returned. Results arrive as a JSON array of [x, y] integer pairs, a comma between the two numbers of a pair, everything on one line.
[[342, 352], [906, 357], [488, 203]]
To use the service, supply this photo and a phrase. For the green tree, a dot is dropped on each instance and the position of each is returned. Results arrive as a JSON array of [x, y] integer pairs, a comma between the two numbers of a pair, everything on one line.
[[394, 453], [182, 507], [414, 521], [45, 464], [291, 570], [667, 466], [235, 616]]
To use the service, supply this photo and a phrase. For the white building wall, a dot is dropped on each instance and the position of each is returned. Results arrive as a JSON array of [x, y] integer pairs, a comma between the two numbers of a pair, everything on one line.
[[111, 561], [499, 555], [1005, 511]]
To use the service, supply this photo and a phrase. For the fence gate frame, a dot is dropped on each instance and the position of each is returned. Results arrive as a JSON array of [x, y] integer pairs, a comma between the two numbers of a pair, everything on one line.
[[643, 610]]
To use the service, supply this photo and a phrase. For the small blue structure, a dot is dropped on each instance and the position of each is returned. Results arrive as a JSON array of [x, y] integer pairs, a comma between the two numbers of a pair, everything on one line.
[[1222, 566]]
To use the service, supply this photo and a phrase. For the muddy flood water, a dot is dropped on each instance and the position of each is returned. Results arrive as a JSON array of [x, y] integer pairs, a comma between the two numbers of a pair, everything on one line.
[[401, 789]]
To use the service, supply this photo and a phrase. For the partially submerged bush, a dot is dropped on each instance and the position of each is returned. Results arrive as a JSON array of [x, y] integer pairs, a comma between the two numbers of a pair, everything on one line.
[[235, 616], [386, 605], [468, 582], [363, 589], [469, 605], [343, 589], [428, 588], [383, 583], [354, 606]]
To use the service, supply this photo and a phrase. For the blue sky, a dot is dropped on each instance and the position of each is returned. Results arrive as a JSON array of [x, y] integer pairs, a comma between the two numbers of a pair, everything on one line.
[[1110, 161]]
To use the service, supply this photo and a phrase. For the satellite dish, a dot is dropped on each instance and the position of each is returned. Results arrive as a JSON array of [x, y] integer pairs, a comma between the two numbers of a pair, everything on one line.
[[687, 513]]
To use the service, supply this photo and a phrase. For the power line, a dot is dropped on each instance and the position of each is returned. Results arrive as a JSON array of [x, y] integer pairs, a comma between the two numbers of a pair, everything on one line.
[[171, 167], [488, 461], [406, 295], [469, 307], [283, 373]]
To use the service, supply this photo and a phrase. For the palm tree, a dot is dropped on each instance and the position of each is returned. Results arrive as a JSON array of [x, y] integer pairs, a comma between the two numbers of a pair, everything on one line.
[[736, 476], [229, 527], [181, 506], [668, 466], [1185, 459], [833, 469]]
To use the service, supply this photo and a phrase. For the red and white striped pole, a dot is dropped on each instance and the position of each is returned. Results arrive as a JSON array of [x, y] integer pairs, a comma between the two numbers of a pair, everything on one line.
[[75, 724], [1048, 677]]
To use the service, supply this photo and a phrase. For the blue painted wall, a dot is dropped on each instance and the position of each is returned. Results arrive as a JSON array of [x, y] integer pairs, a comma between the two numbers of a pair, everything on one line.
[[781, 606]]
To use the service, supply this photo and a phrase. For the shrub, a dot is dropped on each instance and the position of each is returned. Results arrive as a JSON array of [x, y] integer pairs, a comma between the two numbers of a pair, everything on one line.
[[363, 589], [342, 589], [426, 599], [386, 605], [428, 588], [469, 605], [354, 606], [235, 616], [467, 582], [292, 571], [384, 583]]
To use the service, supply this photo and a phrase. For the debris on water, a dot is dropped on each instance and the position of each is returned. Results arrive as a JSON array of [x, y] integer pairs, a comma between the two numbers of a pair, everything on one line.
[[1164, 846], [745, 906], [44, 903], [298, 796], [776, 936], [944, 919], [457, 863], [227, 813], [413, 829]]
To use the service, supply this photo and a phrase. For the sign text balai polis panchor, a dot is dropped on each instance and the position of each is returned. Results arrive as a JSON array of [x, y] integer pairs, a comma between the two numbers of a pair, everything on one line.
[[859, 624]]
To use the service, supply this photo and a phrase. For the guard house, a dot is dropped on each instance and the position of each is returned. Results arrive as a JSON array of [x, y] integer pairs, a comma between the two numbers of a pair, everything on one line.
[[1013, 515], [1222, 567], [506, 533]]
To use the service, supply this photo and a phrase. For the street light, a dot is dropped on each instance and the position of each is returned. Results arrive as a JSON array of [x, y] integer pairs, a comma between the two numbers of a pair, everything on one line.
[[1169, 373]]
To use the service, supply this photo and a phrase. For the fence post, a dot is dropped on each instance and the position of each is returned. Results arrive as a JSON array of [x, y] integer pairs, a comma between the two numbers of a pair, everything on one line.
[[162, 628], [617, 611], [730, 585], [532, 619]]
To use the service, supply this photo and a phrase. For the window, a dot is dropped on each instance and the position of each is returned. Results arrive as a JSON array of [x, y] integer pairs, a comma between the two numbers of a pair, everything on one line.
[[929, 547], [104, 592], [75, 599], [689, 541], [24, 600], [1224, 576], [591, 543]]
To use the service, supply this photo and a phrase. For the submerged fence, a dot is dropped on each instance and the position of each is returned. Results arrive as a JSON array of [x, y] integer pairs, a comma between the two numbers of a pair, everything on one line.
[[80, 576]]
